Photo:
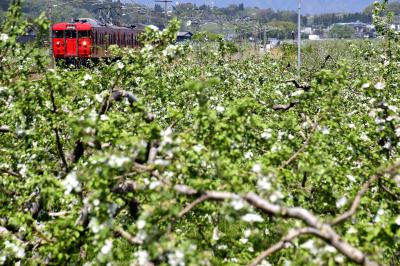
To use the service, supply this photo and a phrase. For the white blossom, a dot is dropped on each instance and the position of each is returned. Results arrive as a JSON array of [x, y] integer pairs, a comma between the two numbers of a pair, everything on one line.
[[267, 134], [252, 217], [393, 108], [176, 259], [162, 162], [256, 168], [220, 109], [142, 257], [325, 130], [141, 224], [237, 204], [366, 85], [154, 184], [277, 195], [117, 161], [71, 183], [341, 202], [3, 37], [244, 240], [107, 246], [87, 77], [265, 263], [248, 155], [351, 178], [99, 98], [264, 184], [19, 252], [153, 28], [215, 236], [247, 233], [22, 169], [398, 220], [120, 65], [197, 148], [380, 86], [352, 126], [329, 249], [310, 245]]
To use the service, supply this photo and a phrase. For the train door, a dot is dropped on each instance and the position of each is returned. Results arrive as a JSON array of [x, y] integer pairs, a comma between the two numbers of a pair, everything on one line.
[[71, 45]]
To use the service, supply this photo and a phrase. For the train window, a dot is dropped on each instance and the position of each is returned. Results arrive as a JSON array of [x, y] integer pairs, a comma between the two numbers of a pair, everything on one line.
[[70, 33], [58, 34], [83, 34]]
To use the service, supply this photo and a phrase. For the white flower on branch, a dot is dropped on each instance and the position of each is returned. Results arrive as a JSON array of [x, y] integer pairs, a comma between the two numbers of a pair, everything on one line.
[[87, 77], [380, 86], [248, 155], [351, 178], [252, 218], [310, 245], [264, 184], [3, 37], [220, 109], [197, 148], [71, 183], [141, 224], [256, 168], [341, 202], [107, 246], [238, 204], [267, 134], [398, 220], [215, 236], [176, 259], [117, 161], [325, 130], [19, 252], [120, 65], [142, 257]]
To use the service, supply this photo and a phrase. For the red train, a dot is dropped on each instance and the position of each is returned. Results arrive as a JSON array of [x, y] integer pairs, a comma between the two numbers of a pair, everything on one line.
[[88, 39]]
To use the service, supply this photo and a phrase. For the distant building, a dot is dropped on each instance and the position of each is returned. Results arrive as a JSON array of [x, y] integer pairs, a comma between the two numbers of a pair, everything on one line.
[[314, 37], [184, 36]]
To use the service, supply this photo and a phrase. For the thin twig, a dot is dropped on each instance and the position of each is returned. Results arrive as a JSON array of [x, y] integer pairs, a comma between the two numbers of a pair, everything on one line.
[[127, 236], [318, 228], [192, 205], [280, 245], [303, 147], [357, 200]]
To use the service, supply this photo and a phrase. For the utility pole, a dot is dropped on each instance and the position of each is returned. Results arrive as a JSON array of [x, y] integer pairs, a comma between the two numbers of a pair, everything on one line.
[[165, 7], [49, 17], [299, 39]]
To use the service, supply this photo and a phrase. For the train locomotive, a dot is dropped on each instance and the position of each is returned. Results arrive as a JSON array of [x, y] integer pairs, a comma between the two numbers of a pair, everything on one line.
[[86, 39]]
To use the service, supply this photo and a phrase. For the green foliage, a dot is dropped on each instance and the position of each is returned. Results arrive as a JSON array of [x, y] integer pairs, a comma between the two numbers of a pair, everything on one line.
[[76, 160], [341, 32]]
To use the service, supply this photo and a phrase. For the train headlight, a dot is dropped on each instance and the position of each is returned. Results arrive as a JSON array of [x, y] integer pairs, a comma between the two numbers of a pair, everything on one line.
[[58, 43], [84, 43]]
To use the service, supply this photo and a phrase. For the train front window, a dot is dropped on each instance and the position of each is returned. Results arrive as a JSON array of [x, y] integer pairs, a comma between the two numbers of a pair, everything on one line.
[[83, 34], [70, 33], [58, 34]]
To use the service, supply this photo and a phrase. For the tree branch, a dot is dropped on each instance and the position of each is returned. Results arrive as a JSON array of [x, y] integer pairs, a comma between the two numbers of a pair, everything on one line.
[[127, 236], [303, 147], [281, 244], [316, 226], [357, 200]]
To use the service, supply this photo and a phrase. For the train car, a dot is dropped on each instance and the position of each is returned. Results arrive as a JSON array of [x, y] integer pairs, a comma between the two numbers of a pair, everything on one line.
[[86, 39]]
